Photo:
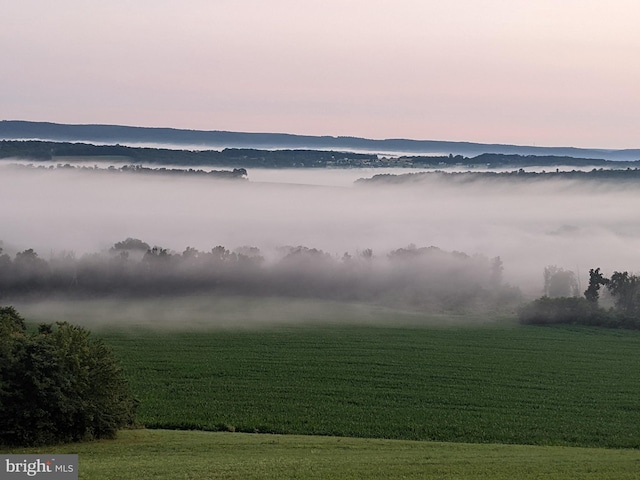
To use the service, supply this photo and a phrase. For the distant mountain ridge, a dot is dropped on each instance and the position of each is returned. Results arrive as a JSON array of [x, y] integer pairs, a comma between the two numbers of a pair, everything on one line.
[[19, 129]]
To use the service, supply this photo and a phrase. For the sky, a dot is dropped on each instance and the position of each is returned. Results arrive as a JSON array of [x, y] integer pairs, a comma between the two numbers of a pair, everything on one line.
[[543, 72]]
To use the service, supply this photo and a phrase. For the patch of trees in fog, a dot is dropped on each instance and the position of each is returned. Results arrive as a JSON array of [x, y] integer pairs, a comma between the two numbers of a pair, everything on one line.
[[427, 278], [499, 160], [561, 304], [597, 174], [235, 174]]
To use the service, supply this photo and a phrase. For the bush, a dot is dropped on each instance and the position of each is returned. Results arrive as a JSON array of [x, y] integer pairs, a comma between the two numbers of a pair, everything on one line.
[[571, 310], [58, 385]]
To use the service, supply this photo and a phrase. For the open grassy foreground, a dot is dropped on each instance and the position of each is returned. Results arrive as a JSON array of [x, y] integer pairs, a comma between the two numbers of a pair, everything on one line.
[[489, 384], [352, 399], [170, 455]]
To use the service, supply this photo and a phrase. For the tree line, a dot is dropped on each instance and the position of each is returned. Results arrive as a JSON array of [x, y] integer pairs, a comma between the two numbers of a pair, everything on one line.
[[426, 278], [620, 307], [627, 174], [230, 157], [235, 174], [501, 160], [282, 158]]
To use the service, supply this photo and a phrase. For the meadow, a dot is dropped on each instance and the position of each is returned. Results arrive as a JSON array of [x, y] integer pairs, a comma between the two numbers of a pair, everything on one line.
[[315, 389], [495, 383], [168, 455]]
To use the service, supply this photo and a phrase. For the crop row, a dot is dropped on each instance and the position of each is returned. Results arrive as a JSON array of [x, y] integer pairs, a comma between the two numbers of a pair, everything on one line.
[[519, 384]]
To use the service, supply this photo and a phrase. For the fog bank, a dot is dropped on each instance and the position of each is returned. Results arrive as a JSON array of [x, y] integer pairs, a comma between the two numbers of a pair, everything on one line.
[[229, 312], [570, 224]]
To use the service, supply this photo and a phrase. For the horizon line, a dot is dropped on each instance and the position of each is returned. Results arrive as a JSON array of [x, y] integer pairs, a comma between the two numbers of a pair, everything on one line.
[[320, 136]]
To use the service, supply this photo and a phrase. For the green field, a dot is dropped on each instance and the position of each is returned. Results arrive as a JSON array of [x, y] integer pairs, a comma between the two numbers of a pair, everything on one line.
[[490, 384], [170, 455], [326, 374]]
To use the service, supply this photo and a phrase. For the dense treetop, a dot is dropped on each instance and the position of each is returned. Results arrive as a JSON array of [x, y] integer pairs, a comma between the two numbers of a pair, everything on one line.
[[57, 384], [426, 278]]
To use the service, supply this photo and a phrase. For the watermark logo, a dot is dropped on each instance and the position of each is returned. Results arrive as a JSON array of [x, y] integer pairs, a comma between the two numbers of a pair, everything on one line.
[[49, 467]]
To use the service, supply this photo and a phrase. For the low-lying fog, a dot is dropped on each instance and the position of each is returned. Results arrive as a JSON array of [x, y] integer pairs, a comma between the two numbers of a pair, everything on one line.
[[568, 224], [202, 311]]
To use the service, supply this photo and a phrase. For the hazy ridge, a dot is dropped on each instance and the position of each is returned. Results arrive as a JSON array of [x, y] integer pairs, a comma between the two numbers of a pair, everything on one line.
[[61, 152], [17, 129]]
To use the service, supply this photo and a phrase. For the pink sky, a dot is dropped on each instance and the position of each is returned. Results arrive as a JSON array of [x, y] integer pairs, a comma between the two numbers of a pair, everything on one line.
[[541, 72]]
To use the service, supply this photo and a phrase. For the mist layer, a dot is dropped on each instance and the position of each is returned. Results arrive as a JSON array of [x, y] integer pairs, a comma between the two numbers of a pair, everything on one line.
[[565, 223]]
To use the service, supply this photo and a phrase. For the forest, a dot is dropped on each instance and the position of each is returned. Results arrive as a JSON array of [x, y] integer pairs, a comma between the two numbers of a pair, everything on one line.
[[281, 158], [228, 157], [425, 278]]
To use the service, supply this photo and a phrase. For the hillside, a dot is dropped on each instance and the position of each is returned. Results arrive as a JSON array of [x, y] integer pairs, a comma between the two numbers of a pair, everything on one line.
[[15, 130], [62, 152]]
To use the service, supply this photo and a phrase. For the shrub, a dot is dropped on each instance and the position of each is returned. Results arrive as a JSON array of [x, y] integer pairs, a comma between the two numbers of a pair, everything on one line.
[[58, 385], [572, 310]]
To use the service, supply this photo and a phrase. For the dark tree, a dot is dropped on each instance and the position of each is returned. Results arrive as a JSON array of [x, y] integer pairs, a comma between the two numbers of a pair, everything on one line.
[[58, 385], [596, 280], [27, 272], [131, 244], [625, 289]]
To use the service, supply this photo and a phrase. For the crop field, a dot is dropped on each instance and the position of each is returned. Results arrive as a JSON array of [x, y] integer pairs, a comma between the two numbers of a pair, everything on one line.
[[484, 384]]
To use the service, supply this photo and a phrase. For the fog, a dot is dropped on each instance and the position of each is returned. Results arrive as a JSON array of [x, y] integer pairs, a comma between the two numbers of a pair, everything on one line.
[[573, 225], [345, 177], [229, 312]]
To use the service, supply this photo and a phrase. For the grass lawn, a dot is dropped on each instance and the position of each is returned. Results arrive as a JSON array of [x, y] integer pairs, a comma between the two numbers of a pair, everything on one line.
[[171, 455]]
